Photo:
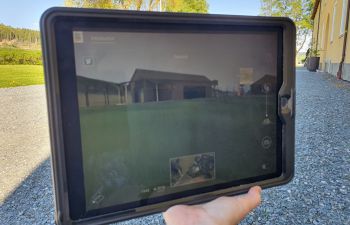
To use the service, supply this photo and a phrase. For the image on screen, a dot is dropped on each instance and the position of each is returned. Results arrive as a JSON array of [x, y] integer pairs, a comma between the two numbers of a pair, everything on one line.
[[162, 113]]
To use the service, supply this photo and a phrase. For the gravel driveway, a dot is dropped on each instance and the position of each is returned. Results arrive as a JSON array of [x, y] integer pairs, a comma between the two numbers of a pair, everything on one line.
[[319, 193]]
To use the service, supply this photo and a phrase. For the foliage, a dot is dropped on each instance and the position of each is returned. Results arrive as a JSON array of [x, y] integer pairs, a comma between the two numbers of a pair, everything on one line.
[[298, 10], [14, 56], [20, 75], [315, 52], [8, 34], [197, 6], [300, 58]]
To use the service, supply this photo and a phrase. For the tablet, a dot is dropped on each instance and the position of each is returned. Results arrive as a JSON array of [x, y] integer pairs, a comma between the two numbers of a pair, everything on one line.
[[148, 109]]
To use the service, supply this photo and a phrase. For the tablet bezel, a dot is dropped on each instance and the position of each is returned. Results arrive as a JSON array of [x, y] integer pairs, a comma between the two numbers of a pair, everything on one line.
[[57, 25]]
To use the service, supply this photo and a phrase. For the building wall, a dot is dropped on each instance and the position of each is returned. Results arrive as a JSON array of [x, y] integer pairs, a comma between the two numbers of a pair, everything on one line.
[[145, 91], [331, 50], [98, 93]]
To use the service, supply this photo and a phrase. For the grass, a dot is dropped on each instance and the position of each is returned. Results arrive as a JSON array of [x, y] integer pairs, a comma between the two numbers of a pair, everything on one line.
[[20, 75], [299, 60], [17, 56], [126, 149]]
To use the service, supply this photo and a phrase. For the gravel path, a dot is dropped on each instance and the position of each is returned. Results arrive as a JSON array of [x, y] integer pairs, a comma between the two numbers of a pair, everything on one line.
[[24, 142], [319, 193], [320, 190]]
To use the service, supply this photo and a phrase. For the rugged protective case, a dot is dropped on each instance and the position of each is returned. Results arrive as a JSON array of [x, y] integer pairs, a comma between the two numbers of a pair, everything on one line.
[[286, 104]]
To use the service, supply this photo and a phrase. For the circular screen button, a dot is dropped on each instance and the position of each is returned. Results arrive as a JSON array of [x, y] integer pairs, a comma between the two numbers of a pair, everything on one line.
[[266, 142]]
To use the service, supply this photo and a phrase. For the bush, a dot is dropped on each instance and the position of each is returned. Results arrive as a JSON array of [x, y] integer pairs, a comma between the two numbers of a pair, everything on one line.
[[14, 56]]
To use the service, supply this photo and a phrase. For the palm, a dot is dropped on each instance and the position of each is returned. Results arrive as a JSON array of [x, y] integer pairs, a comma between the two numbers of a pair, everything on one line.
[[221, 211]]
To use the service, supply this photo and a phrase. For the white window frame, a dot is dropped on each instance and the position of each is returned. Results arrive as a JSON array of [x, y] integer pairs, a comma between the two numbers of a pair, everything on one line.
[[343, 15], [333, 20]]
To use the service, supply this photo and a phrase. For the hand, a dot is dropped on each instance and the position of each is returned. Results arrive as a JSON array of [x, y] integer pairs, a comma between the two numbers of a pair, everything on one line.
[[221, 211]]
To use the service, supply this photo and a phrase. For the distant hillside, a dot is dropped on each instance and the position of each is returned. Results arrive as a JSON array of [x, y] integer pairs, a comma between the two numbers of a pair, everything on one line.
[[19, 37]]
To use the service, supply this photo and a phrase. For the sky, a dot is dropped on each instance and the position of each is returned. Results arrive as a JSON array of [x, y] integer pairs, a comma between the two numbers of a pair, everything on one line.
[[26, 13], [111, 53]]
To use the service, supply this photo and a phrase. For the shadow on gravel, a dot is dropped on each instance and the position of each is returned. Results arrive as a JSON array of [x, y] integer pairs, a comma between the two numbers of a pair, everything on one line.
[[32, 201]]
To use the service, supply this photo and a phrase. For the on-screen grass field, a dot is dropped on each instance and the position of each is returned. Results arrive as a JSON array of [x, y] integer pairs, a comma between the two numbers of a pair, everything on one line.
[[126, 148]]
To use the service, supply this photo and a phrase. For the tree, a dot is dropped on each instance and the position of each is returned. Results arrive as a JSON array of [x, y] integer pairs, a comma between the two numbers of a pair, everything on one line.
[[298, 10], [20, 35], [103, 4], [196, 6]]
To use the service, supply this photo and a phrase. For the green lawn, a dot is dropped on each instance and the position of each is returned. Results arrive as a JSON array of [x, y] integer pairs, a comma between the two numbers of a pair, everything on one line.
[[20, 75], [126, 149], [17, 56]]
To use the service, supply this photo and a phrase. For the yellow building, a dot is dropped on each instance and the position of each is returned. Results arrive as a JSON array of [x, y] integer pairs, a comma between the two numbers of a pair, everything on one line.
[[330, 27]]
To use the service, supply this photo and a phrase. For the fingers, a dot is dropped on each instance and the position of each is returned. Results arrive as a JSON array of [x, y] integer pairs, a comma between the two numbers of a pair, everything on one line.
[[170, 216], [185, 215], [250, 200], [224, 210], [234, 209]]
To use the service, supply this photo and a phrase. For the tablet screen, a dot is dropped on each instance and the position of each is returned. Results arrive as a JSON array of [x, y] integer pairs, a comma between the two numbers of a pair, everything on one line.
[[164, 113]]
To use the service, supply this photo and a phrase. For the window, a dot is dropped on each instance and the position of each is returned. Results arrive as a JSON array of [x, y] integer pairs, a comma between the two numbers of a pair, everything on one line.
[[333, 20], [343, 15]]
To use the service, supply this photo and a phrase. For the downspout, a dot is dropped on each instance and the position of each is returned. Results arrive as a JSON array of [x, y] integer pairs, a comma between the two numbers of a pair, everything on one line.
[[341, 64], [318, 24]]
